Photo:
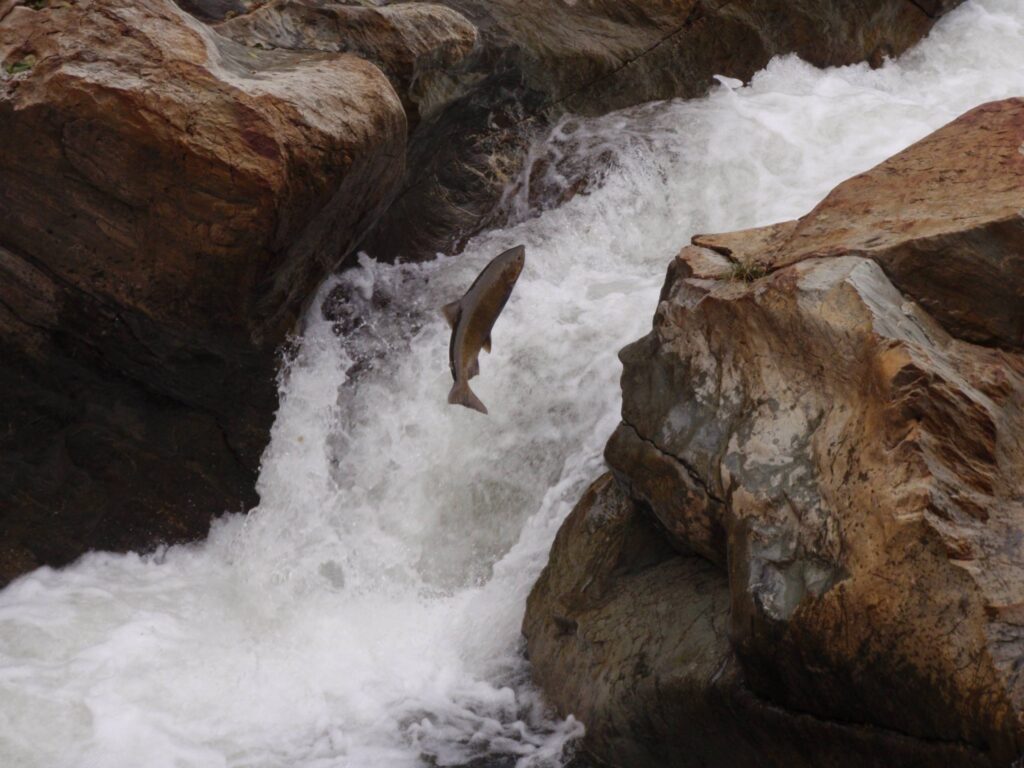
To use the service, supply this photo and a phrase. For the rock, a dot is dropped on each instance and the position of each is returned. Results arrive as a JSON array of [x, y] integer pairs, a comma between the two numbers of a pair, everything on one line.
[[848, 459], [633, 638], [948, 233], [480, 78], [416, 45], [171, 199]]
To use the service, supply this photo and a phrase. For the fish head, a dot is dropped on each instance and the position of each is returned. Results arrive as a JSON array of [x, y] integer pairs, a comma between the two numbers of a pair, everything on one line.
[[513, 261]]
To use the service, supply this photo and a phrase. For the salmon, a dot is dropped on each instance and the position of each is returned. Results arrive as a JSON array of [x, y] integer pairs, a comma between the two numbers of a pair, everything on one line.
[[471, 319]]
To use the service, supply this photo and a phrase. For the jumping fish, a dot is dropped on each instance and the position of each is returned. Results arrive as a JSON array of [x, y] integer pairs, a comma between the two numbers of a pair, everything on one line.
[[472, 317]]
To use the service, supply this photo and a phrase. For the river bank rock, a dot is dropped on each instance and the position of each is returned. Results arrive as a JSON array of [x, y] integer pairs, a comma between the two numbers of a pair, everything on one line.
[[829, 415], [171, 200]]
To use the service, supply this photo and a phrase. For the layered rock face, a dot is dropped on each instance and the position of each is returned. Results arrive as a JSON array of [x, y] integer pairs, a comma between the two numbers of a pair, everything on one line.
[[827, 425], [170, 201]]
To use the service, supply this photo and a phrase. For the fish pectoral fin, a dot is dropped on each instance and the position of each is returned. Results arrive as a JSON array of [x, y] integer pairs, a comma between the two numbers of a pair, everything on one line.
[[474, 368], [487, 344], [461, 394], [451, 313]]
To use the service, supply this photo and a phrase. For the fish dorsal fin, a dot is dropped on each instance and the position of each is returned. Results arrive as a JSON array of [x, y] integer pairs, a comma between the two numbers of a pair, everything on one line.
[[451, 312], [474, 368], [487, 344]]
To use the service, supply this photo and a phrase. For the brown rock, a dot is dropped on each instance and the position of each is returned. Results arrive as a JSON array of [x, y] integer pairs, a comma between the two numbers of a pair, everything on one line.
[[416, 45], [633, 639], [943, 219], [170, 201], [852, 469]]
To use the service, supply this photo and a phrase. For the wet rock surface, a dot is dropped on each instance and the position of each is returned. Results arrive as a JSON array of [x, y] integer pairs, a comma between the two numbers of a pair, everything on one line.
[[835, 434], [171, 199]]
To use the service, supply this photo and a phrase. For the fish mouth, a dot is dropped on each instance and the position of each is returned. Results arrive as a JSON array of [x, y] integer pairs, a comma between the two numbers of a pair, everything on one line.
[[518, 255], [511, 262]]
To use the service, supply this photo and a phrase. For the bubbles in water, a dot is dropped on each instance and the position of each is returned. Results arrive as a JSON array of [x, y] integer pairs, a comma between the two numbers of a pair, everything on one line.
[[368, 612]]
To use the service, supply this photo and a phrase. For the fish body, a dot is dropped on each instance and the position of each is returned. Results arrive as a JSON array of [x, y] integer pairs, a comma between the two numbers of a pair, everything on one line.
[[472, 317]]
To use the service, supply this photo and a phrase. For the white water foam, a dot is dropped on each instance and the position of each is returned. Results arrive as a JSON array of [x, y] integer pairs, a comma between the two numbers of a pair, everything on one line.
[[368, 612]]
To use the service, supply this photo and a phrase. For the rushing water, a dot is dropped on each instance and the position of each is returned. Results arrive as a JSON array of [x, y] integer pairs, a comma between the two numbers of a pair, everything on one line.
[[367, 613]]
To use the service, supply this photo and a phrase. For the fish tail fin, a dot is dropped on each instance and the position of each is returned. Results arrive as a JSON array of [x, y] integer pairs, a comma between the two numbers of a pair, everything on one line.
[[461, 394]]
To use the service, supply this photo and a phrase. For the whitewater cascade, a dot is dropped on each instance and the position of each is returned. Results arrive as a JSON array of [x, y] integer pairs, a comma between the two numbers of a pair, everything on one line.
[[367, 613]]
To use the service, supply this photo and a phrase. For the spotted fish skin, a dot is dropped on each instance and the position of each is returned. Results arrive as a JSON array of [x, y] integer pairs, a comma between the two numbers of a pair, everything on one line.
[[473, 316]]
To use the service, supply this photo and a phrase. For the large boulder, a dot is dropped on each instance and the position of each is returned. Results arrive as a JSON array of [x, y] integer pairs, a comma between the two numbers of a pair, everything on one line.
[[632, 637], [830, 413], [171, 199], [478, 77]]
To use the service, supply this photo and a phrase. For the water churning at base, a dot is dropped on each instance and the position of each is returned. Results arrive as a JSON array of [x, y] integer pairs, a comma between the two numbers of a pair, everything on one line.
[[367, 613]]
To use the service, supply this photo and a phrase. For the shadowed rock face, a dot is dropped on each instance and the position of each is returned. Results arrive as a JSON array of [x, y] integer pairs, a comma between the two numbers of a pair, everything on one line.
[[170, 200], [211, 10], [849, 463]]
